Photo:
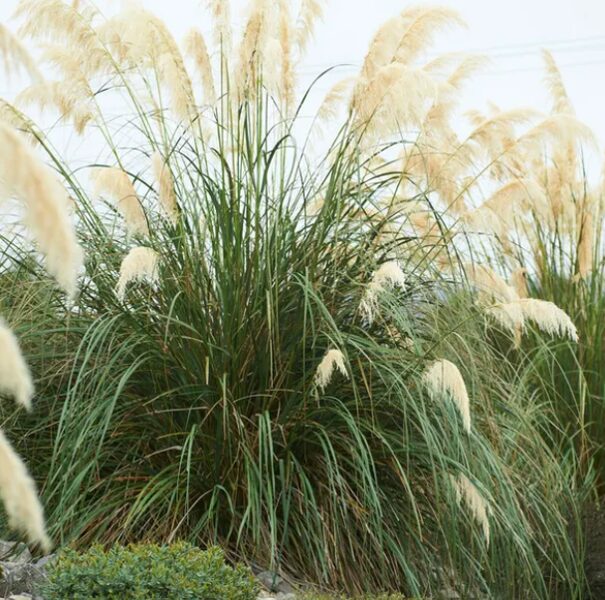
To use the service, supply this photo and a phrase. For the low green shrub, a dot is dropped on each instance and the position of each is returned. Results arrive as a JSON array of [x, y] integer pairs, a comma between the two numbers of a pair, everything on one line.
[[179, 571]]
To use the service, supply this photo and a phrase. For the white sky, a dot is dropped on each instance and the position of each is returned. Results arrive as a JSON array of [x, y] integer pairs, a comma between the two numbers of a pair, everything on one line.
[[511, 32]]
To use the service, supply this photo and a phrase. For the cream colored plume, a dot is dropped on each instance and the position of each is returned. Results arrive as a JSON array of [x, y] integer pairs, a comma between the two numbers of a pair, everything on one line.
[[72, 99], [196, 48], [15, 379], [332, 361], [12, 116], [286, 83], [335, 98], [489, 284], [510, 316], [404, 37], [556, 87], [443, 377], [548, 317], [495, 135], [69, 25], [18, 493], [14, 56], [143, 41], [586, 245], [221, 24], [25, 177], [116, 184], [252, 51], [311, 11], [397, 98], [388, 275], [140, 264], [559, 130], [166, 194], [465, 490]]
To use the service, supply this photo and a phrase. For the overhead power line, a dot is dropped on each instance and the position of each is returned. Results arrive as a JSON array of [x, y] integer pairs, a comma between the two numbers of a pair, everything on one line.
[[559, 46]]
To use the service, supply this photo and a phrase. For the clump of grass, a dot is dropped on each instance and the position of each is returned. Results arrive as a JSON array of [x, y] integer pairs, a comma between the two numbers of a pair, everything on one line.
[[246, 361]]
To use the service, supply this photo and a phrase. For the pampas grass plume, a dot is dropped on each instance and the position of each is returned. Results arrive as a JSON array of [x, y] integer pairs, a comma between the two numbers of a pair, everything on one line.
[[15, 378], [444, 377], [332, 361], [389, 274], [554, 81], [586, 246], [15, 56], [24, 176], [18, 493], [311, 11], [166, 193], [116, 184], [466, 490], [195, 47], [140, 264], [548, 317]]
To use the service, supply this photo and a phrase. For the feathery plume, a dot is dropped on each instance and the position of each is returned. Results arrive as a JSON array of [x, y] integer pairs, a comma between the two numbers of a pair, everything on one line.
[[332, 361], [25, 177], [15, 378], [14, 55], [18, 493], [548, 317], [166, 194], [12, 116], [140, 264], [69, 25], [388, 275], [561, 130], [474, 501], [397, 98], [116, 184], [310, 12], [195, 46], [336, 96], [404, 37], [510, 316], [556, 87], [71, 98], [221, 20], [495, 135], [143, 40], [586, 245], [444, 377], [287, 84], [489, 284], [253, 47]]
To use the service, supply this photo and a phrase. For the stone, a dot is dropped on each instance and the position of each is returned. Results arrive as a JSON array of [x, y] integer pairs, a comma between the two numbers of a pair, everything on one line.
[[14, 552], [274, 582], [19, 573]]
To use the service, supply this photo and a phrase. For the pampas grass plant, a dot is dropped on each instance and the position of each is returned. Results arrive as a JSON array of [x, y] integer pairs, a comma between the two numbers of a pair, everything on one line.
[[261, 332]]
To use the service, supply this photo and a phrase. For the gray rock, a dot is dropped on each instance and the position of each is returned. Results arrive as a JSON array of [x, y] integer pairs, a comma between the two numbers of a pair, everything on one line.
[[274, 583], [19, 573], [15, 552]]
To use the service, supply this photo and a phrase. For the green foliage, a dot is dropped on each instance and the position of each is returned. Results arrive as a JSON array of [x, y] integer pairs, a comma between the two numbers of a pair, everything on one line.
[[147, 572]]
